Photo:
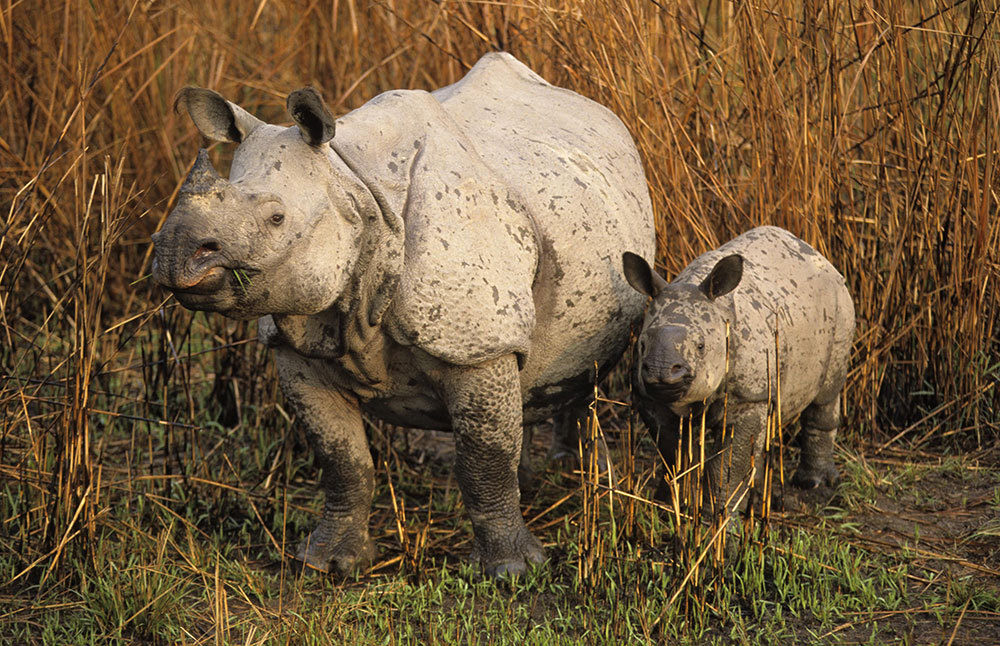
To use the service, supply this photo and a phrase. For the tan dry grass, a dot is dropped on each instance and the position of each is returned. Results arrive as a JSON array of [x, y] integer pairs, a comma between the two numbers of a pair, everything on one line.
[[869, 130]]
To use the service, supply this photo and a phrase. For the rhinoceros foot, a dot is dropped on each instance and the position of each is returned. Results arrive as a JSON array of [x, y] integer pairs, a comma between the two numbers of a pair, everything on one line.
[[339, 552], [511, 555], [813, 476], [816, 466]]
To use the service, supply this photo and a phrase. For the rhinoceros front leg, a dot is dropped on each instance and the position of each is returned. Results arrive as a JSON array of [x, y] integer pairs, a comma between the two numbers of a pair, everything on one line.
[[737, 458], [664, 428], [340, 543], [484, 402]]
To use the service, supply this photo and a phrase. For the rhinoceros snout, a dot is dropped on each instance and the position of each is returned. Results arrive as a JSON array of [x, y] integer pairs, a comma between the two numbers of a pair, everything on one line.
[[191, 266], [674, 374], [664, 367], [668, 380]]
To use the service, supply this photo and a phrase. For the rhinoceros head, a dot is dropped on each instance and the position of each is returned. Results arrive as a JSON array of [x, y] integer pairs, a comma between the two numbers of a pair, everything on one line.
[[681, 352], [281, 235]]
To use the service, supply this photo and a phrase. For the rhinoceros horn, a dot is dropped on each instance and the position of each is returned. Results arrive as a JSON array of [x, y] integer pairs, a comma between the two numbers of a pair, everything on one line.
[[203, 178]]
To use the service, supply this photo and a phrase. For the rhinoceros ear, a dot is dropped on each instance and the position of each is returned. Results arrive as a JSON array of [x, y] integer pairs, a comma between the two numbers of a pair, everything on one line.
[[216, 118], [724, 278], [640, 276], [316, 124]]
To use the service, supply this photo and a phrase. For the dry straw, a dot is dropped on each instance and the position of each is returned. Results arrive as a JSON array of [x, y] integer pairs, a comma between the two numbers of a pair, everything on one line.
[[870, 131]]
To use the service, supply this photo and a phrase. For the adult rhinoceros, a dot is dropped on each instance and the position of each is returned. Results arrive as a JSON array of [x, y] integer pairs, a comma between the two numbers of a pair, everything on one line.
[[450, 260]]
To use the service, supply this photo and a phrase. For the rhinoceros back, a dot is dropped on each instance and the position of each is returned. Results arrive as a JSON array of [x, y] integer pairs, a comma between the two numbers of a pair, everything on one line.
[[577, 170]]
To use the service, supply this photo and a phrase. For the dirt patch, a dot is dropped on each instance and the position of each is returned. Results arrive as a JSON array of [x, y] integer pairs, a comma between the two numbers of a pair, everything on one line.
[[948, 513], [943, 519]]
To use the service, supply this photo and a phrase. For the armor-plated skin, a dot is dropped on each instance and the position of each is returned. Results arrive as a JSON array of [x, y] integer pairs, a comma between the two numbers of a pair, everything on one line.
[[764, 283], [443, 260]]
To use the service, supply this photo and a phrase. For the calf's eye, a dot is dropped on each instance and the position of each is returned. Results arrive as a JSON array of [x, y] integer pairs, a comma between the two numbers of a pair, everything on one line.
[[277, 218]]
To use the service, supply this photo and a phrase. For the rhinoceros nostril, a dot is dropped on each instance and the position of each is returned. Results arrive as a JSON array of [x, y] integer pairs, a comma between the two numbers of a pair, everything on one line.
[[207, 248], [678, 373]]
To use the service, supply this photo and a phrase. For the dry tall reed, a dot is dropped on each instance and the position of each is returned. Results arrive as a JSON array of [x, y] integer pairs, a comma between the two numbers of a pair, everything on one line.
[[869, 130]]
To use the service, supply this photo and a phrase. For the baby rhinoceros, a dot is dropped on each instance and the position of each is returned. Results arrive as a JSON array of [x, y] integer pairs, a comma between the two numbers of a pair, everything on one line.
[[708, 346]]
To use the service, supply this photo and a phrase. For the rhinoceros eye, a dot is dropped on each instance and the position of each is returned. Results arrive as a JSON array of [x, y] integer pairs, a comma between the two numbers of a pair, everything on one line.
[[277, 218], [701, 346]]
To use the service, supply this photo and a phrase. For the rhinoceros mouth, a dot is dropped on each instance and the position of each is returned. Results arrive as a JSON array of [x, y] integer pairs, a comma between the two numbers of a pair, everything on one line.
[[207, 281], [667, 393], [218, 289]]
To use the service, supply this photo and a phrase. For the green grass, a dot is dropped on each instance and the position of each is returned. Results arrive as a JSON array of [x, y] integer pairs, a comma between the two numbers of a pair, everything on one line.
[[243, 279], [184, 559]]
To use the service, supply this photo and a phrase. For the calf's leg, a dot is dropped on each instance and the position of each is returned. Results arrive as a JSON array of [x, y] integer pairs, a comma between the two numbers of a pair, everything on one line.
[[737, 459], [819, 430]]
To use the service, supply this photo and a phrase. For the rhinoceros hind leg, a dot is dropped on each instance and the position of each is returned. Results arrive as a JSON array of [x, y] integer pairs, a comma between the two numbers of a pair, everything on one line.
[[819, 430], [527, 476]]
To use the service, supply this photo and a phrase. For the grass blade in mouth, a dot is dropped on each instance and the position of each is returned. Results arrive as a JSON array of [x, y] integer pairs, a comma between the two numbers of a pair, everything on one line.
[[243, 278]]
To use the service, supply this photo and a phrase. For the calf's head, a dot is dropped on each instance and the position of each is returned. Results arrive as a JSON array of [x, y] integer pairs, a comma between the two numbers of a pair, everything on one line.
[[681, 353], [281, 234]]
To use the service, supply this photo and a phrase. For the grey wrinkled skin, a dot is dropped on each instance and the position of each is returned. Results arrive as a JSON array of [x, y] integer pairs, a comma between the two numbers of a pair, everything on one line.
[[762, 283], [443, 260]]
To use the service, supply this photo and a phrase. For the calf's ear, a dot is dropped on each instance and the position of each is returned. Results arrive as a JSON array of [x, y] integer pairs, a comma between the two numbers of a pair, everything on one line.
[[724, 278], [216, 118], [640, 276], [316, 124]]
